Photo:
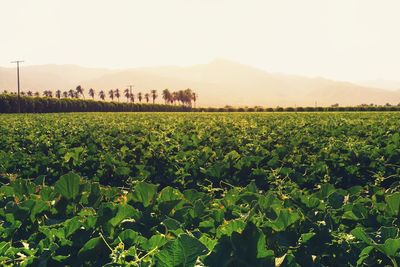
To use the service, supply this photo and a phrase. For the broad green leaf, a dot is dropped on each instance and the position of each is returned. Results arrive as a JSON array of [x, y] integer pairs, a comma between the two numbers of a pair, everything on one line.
[[169, 194], [242, 249], [305, 237], [182, 252], [393, 204], [390, 247], [360, 234], [128, 237], [227, 228], [92, 247], [68, 186], [144, 193], [124, 211], [285, 218], [71, 226], [364, 255]]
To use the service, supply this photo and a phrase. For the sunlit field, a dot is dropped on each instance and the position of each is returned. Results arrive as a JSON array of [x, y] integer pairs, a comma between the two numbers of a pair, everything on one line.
[[204, 189]]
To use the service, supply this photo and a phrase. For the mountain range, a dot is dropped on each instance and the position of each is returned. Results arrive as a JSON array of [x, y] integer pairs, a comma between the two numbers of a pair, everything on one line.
[[218, 83]]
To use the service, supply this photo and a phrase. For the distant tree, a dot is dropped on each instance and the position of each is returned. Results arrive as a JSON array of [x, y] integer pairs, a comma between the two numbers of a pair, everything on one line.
[[111, 94], [127, 94], [187, 97], [147, 97], [58, 94], [117, 94], [175, 97], [153, 95], [79, 91], [194, 98], [71, 93], [29, 93], [166, 95], [140, 97], [49, 93], [91, 93], [132, 98], [65, 94], [36, 94], [22, 93], [102, 95]]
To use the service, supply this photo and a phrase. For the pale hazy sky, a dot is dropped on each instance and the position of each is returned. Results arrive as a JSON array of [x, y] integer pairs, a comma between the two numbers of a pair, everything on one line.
[[340, 39]]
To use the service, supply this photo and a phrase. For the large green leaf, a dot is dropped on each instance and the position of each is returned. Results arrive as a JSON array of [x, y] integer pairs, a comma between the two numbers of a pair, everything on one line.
[[92, 247], [242, 249], [231, 226], [182, 252], [393, 204], [68, 185], [390, 247], [124, 211], [144, 193], [285, 218]]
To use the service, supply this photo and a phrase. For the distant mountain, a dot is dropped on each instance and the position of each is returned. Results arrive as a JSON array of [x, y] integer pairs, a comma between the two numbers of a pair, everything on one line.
[[380, 83], [219, 83]]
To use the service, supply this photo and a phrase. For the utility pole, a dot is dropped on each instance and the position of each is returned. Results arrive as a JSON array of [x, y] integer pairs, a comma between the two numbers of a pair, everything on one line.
[[130, 89], [19, 97]]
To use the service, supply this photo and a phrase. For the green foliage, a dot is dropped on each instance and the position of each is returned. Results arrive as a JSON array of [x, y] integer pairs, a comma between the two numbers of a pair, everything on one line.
[[200, 189], [182, 252], [68, 186]]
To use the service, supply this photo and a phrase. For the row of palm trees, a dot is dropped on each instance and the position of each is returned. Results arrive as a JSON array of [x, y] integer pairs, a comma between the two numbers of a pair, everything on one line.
[[184, 97]]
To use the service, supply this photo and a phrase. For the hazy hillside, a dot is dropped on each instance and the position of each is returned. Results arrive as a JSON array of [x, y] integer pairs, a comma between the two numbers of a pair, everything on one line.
[[381, 83], [218, 83]]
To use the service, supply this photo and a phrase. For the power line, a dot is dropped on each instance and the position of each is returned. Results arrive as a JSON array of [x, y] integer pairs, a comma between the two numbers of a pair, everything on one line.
[[19, 97]]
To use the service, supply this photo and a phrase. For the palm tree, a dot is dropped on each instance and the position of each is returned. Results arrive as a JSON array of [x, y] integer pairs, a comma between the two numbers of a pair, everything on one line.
[[154, 95], [102, 95], [166, 94], [91, 93], [65, 94], [117, 94], [58, 94], [132, 98], [29, 93], [23, 93], [37, 94], [127, 94], [140, 97], [111, 94], [71, 93], [147, 96], [187, 97], [174, 97], [79, 91], [47, 93], [194, 97]]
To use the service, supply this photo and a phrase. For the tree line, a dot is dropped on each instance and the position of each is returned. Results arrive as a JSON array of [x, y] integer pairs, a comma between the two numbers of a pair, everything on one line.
[[10, 103], [185, 97]]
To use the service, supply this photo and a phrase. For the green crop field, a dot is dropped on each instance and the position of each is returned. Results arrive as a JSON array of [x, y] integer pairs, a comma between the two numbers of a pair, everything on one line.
[[194, 189]]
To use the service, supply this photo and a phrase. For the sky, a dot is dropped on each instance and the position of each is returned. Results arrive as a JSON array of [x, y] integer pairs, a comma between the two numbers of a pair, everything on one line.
[[352, 40]]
